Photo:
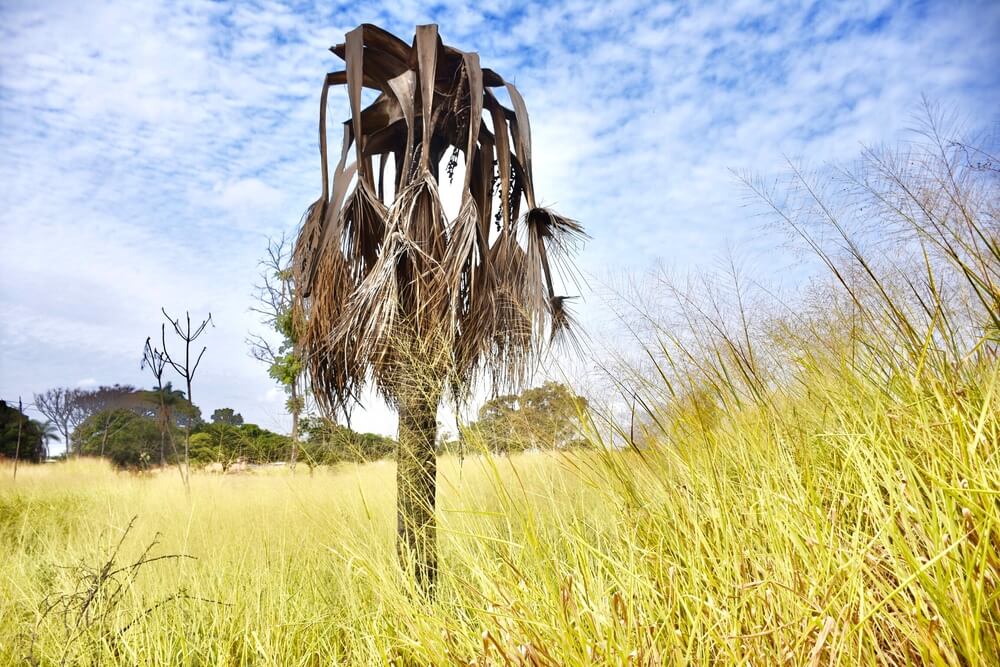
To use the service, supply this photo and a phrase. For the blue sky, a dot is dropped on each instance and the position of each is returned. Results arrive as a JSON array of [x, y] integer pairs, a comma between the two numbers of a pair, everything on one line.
[[147, 150]]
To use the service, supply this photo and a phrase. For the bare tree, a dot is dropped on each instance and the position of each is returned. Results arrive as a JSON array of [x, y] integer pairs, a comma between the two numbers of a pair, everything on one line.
[[61, 407], [275, 305], [184, 367], [156, 361]]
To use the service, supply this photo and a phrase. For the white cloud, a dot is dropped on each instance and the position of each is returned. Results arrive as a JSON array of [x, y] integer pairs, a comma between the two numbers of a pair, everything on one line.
[[248, 195], [147, 150]]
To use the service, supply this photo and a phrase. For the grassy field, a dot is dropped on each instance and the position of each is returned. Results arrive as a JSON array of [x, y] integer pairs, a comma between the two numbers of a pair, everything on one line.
[[864, 534]]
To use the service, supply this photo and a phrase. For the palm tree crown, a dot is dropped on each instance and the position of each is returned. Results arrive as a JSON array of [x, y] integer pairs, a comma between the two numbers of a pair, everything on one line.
[[47, 431], [385, 283], [166, 400]]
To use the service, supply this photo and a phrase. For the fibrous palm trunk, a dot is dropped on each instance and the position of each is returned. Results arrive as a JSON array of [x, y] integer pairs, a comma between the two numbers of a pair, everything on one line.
[[415, 485], [294, 454]]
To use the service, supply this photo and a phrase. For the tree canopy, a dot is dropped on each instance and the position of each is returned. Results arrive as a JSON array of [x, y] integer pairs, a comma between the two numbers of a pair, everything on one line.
[[32, 435], [326, 442], [386, 286], [545, 417], [227, 416], [129, 439]]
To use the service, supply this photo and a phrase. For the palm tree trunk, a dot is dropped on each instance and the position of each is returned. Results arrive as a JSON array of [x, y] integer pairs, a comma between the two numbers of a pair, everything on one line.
[[416, 534], [294, 455]]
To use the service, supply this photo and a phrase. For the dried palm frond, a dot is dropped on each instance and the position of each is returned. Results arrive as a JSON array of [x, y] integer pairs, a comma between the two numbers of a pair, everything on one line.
[[392, 290]]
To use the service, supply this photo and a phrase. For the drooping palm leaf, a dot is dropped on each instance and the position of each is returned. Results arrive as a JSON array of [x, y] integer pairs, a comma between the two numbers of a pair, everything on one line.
[[381, 281]]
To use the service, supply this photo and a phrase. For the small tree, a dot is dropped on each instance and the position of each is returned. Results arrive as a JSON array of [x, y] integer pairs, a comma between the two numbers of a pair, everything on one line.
[[275, 299], [227, 416], [543, 417], [162, 397], [185, 366]]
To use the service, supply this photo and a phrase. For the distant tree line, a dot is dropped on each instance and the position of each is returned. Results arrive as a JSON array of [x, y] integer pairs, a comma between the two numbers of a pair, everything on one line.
[[132, 428], [130, 435]]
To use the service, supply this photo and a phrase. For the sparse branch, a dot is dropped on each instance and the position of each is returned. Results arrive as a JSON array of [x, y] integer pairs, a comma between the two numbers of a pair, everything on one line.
[[61, 406], [157, 360], [274, 304], [186, 370], [261, 349]]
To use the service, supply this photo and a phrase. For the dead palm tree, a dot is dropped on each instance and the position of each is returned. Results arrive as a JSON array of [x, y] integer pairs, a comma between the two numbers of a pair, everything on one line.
[[388, 289]]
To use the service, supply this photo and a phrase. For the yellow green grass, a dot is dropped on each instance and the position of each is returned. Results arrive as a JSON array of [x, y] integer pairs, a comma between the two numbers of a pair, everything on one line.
[[868, 534]]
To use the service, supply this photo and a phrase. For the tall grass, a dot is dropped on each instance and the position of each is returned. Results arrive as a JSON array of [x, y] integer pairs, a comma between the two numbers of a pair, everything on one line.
[[809, 481]]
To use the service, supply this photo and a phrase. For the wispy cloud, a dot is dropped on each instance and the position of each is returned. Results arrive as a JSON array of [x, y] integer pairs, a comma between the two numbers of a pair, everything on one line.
[[148, 149]]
